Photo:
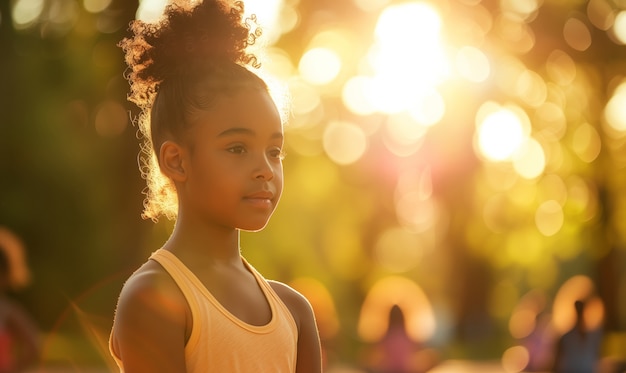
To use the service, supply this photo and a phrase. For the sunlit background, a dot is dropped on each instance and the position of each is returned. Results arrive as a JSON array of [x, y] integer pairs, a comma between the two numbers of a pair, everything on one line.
[[461, 160]]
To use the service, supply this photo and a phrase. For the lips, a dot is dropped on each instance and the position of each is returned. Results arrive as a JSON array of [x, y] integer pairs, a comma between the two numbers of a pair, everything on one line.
[[262, 195], [263, 200]]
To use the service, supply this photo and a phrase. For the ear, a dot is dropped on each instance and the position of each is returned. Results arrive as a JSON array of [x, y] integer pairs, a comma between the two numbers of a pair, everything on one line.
[[172, 161]]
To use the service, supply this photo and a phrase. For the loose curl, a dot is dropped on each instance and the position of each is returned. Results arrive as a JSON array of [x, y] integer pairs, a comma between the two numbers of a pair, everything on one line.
[[178, 66]]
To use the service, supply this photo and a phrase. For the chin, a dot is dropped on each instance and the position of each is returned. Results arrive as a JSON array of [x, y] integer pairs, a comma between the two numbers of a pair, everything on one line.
[[253, 227]]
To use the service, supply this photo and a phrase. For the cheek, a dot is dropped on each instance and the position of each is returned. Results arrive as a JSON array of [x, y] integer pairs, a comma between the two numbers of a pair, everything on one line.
[[279, 179]]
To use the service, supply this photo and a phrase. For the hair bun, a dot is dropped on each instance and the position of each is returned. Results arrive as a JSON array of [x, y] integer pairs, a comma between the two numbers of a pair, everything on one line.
[[189, 33]]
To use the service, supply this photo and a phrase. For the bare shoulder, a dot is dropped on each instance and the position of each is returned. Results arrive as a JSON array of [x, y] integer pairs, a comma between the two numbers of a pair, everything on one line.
[[309, 350], [296, 302], [150, 321], [149, 291]]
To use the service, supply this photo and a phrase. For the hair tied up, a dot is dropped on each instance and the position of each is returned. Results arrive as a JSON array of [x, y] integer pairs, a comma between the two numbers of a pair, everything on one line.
[[209, 32]]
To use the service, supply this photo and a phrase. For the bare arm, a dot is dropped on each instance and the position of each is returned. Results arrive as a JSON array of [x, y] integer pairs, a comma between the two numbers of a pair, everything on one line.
[[309, 358], [150, 324]]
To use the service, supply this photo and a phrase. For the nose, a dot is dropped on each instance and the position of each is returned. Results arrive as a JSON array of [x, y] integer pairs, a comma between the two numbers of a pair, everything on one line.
[[264, 169]]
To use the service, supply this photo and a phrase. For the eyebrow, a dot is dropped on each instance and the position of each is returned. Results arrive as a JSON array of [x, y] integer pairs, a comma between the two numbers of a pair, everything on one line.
[[245, 131]]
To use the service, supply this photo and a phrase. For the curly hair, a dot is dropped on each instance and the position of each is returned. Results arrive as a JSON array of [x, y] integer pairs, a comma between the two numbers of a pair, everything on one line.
[[178, 66]]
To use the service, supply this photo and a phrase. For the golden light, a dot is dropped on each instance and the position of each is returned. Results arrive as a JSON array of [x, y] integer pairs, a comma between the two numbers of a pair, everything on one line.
[[408, 58], [338, 40], [551, 118], [514, 31], [601, 14], [553, 187], [304, 97], [493, 214], [270, 17], [269, 14], [344, 142], [586, 143], [370, 5], [530, 160], [615, 109], [415, 212], [549, 218], [578, 287], [390, 94], [319, 66], [429, 109], [150, 10], [96, 6], [520, 8], [408, 20], [472, 64], [515, 359], [531, 88], [409, 297], [398, 249], [355, 95], [619, 27], [403, 129], [500, 132], [560, 67], [279, 64], [577, 34], [26, 12], [581, 199]]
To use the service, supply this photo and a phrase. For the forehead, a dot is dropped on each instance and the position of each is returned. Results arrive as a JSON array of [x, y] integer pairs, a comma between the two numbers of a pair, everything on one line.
[[248, 108]]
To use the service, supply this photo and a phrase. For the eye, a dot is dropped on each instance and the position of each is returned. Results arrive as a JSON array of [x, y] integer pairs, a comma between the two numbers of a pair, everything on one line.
[[277, 153], [237, 149]]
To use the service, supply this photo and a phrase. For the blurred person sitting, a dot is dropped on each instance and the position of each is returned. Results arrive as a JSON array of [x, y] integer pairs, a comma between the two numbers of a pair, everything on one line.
[[396, 352], [578, 350], [19, 336]]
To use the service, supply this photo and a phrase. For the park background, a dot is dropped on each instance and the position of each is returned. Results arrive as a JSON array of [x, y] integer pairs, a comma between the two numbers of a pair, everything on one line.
[[463, 159]]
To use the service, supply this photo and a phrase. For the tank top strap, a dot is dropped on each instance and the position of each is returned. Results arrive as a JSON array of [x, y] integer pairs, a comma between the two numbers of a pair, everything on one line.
[[184, 280], [272, 297]]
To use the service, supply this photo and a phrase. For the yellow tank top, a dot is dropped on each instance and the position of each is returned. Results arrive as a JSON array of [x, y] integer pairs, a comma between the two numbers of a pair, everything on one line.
[[219, 341]]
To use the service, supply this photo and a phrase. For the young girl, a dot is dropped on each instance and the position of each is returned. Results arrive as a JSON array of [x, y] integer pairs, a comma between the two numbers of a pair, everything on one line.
[[196, 305]]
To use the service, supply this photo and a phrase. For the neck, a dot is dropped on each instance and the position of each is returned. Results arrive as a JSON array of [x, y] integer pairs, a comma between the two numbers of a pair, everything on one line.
[[203, 242]]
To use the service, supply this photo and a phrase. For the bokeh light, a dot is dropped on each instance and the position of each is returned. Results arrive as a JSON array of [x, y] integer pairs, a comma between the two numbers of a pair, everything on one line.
[[355, 95], [619, 26], [615, 110], [26, 12], [529, 160], [150, 10], [344, 142], [500, 132], [472, 64], [96, 6], [577, 34], [319, 65], [471, 150], [402, 76], [515, 359]]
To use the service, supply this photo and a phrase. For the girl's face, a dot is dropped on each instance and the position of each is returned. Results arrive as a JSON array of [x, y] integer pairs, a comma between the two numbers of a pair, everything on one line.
[[235, 171]]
